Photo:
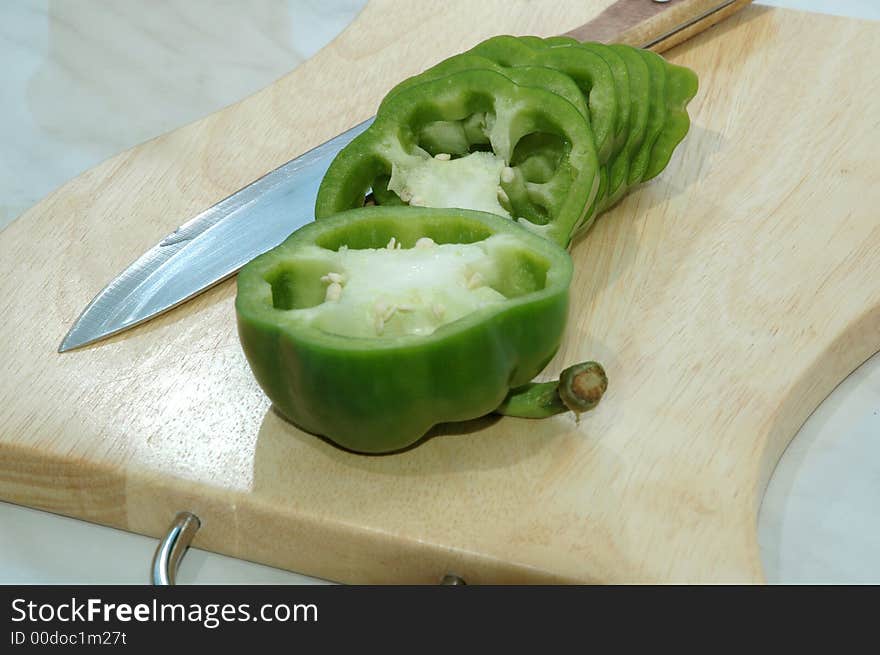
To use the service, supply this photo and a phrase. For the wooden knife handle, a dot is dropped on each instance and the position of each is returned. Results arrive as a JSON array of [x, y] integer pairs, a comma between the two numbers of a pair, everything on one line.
[[655, 25]]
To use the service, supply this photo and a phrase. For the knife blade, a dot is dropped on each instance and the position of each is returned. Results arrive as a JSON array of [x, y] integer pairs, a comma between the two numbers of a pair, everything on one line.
[[197, 255], [215, 244]]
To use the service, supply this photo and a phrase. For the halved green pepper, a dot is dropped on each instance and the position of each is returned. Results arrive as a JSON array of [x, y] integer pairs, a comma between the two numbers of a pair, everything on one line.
[[474, 139], [371, 326]]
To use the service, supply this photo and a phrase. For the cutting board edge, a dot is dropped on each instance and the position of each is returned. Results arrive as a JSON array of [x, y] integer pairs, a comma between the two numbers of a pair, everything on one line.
[[404, 559], [424, 562], [849, 350]]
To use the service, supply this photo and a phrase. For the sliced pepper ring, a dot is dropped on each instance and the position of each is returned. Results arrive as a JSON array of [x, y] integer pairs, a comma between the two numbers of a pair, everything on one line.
[[536, 158], [619, 72], [680, 88], [535, 76], [319, 360], [589, 70], [639, 87], [415, 149]]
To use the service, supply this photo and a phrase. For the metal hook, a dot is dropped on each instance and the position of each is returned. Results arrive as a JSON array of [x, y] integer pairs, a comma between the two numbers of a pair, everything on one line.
[[171, 549], [174, 544], [452, 579]]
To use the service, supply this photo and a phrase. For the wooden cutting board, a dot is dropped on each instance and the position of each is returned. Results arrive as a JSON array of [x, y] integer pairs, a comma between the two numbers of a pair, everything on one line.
[[726, 299]]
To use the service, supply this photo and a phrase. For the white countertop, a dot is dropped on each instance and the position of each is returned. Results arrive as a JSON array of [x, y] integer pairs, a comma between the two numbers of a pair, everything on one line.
[[81, 81]]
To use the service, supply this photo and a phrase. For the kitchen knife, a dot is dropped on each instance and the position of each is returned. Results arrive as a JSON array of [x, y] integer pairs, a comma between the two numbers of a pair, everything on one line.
[[215, 244]]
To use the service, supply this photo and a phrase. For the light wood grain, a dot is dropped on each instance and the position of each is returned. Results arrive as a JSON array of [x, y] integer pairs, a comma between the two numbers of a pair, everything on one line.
[[726, 299]]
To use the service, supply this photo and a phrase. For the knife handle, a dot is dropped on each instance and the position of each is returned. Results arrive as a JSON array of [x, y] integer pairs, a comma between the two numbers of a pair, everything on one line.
[[655, 24]]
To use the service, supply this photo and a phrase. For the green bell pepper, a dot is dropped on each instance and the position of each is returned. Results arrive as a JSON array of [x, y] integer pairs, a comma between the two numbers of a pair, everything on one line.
[[372, 326], [459, 112], [474, 139]]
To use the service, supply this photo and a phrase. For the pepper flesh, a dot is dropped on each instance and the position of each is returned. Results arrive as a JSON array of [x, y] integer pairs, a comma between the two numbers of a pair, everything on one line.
[[379, 391]]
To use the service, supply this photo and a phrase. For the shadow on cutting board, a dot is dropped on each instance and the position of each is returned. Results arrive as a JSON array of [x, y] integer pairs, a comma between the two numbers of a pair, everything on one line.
[[485, 443]]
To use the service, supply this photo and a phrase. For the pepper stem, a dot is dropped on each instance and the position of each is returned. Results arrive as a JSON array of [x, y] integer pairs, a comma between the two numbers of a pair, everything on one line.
[[578, 389]]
